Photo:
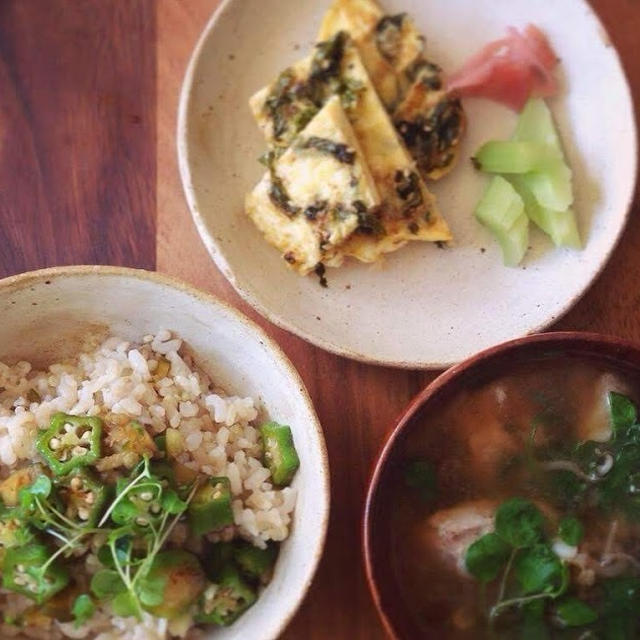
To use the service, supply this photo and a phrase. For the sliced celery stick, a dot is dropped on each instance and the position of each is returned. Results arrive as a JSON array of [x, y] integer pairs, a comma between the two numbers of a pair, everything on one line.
[[501, 210], [535, 123], [552, 186], [499, 156], [559, 225]]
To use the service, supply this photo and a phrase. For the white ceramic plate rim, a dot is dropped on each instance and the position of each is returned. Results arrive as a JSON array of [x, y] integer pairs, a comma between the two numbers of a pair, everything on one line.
[[21, 280], [217, 253]]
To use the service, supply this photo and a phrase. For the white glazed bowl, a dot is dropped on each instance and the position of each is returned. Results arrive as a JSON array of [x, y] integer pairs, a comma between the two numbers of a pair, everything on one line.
[[46, 313]]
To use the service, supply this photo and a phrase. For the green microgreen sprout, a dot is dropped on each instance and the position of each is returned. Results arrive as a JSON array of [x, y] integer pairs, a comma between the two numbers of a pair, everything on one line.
[[37, 507], [128, 582], [136, 524], [519, 551], [533, 581], [604, 474]]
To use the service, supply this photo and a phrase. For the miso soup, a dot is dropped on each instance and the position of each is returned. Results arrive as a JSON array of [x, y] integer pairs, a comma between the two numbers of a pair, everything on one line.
[[514, 510]]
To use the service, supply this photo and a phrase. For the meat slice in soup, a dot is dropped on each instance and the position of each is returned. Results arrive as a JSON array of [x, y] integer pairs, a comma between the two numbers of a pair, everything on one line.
[[450, 531], [485, 425]]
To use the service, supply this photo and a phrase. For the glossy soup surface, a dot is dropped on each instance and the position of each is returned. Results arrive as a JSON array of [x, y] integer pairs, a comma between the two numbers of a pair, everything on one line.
[[542, 434]]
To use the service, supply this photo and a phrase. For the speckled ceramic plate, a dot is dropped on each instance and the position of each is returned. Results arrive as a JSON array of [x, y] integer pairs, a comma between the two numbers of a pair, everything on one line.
[[424, 307]]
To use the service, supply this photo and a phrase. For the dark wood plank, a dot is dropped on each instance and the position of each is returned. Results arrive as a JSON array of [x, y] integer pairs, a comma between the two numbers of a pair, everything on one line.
[[77, 133]]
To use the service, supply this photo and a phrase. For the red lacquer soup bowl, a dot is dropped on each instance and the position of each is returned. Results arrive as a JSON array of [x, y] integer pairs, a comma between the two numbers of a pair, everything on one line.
[[387, 579]]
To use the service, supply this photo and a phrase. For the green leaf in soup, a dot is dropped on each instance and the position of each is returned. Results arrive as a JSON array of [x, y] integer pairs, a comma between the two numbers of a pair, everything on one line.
[[564, 488], [618, 486], [533, 625], [628, 458], [82, 609], [486, 557], [622, 410], [421, 476], [533, 609], [107, 583], [519, 522], [572, 612], [571, 531], [633, 433], [534, 629], [538, 570]]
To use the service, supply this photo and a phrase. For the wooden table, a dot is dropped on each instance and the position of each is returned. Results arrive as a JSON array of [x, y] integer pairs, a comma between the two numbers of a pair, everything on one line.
[[88, 96]]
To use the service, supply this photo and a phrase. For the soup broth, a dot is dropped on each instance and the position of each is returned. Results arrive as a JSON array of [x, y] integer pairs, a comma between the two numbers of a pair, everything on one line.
[[515, 511]]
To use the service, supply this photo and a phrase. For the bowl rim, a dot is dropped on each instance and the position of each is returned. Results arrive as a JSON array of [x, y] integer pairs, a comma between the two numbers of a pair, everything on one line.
[[397, 430], [216, 250], [20, 281]]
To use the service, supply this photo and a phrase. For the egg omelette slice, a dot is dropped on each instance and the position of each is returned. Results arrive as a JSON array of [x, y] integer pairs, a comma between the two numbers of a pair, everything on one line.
[[388, 44], [431, 122], [315, 195], [408, 210]]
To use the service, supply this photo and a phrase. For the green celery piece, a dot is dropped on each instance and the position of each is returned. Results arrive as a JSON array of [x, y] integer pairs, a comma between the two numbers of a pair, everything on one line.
[[501, 210], [551, 187], [560, 226], [515, 156], [535, 123]]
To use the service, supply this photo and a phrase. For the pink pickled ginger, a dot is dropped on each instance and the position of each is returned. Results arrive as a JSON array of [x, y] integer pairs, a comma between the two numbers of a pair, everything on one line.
[[509, 70]]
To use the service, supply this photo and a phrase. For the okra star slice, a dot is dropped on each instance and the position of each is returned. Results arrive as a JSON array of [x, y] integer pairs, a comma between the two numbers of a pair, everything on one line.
[[280, 455], [210, 509], [83, 496], [224, 602], [22, 573], [142, 504], [174, 583], [70, 442], [254, 562]]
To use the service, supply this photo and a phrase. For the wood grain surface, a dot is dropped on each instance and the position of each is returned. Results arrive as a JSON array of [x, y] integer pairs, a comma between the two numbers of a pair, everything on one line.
[[77, 133], [88, 99]]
